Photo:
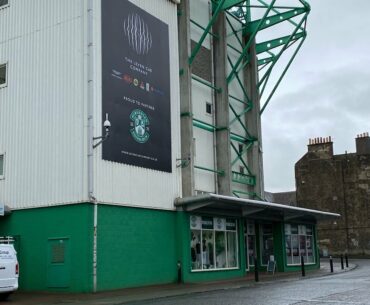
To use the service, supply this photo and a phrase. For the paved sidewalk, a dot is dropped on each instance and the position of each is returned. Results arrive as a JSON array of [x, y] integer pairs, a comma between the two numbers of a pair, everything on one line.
[[163, 291]]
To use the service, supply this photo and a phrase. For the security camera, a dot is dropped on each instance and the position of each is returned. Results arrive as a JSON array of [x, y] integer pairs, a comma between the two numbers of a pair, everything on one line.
[[107, 123]]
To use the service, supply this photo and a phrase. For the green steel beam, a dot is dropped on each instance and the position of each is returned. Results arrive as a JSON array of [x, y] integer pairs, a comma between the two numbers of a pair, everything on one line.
[[273, 20], [265, 61], [218, 172], [274, 43], [275, 9], [240, 139], [241, 85], [247, 46], [203, 28], [253, 194], [282, 76], [240, 101], [203, 125], [268, 72], [237, 117], [240, 157], [243, 178], [206, 83], [230, 3], [207, 29]]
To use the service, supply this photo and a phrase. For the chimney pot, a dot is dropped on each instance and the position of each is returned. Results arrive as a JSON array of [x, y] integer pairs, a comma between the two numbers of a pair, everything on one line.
[[363, 144]]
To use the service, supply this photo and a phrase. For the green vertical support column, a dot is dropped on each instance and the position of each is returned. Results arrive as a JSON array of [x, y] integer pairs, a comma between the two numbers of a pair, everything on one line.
[[223, 150], [279, 245], [253, 121], [187, 150], [183, 243], [242, 252]]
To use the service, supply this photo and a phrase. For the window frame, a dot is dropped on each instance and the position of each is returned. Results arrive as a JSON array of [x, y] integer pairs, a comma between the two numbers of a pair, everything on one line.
[[298, 235], [210, 105], [247, 233], [261, 240], [5, 64], [213, 230], [2, 175]]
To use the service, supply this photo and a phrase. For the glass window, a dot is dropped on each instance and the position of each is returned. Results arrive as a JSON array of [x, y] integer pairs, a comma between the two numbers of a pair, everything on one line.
[[250, 242], [196, 262], [2, 74], [209, 108], [1, 166], [3, 2], [299, 242], [267, 244], [213, 243], [207, 249]]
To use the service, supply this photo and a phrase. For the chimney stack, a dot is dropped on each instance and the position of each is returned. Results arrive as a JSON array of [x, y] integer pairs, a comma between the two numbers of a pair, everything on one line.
[[322, 147], [363, 144]]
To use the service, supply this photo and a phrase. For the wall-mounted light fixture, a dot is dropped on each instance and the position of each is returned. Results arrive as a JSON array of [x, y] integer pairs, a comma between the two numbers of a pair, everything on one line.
[[107, 126]]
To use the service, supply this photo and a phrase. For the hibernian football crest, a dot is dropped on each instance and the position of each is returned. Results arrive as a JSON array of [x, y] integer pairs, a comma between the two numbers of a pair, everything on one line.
[[140, 126]]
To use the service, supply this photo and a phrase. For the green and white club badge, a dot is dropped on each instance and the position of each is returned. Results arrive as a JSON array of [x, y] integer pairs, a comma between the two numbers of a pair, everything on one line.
[[140, 126]]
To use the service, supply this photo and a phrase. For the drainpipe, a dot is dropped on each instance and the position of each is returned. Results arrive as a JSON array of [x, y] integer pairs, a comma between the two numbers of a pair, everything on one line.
[[90, 131]]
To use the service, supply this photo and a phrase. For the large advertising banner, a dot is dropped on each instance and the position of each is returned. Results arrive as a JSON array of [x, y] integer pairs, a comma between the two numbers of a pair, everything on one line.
[[136, 86]]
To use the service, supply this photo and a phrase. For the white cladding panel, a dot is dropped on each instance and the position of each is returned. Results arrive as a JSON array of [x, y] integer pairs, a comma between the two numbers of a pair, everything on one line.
[[122, 184], [204, 140], [42, 110], [200, 13]]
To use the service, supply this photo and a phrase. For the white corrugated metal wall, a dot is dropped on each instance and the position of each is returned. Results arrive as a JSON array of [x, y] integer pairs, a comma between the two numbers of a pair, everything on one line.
[[42, 110], [122, 184]]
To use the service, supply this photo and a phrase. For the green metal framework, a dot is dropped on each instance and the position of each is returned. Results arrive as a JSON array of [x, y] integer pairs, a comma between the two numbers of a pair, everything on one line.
[[245, 31]]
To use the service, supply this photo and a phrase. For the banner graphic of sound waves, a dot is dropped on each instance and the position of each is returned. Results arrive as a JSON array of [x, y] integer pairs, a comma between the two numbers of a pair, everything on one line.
[[137, 32]]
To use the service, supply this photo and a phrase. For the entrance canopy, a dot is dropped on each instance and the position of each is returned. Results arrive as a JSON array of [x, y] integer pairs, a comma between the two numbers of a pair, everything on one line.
[[233, 206]]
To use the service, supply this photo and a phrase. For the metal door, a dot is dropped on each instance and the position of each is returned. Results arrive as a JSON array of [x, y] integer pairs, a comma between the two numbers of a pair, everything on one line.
[[58, 268]]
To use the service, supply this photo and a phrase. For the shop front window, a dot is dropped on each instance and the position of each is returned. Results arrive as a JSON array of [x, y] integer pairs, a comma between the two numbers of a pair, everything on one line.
[[250, 242], [298, 243], [267, 244], [213, 243]]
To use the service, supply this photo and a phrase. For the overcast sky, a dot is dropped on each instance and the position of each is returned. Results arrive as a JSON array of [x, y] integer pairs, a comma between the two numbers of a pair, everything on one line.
[[326, 91]]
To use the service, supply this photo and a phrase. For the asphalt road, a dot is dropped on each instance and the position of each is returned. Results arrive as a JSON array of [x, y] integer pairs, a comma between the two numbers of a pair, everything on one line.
[[349, 288]]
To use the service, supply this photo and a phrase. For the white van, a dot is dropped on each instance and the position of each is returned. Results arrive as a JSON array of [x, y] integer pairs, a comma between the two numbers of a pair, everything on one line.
[[9, 270]]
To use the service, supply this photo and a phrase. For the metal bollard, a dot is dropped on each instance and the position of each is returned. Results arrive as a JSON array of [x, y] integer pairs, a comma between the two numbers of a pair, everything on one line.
[[302, 266], [346, 257], [331, 264], [341, 261], [256, 275]]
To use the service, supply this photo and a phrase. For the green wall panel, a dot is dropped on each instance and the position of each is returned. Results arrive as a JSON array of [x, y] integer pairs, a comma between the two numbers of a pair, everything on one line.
[[35, 227], [136, 247]]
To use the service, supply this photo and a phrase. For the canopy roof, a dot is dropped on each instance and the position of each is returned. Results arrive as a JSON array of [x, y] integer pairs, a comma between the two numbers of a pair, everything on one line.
[[233, 206]]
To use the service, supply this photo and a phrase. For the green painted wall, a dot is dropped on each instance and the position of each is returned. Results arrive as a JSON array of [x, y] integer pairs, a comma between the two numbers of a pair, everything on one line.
[[136, 247], [188, 276], [34, 227]]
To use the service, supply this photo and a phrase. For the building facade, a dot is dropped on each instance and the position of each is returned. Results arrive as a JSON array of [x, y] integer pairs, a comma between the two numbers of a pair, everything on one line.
[[122, 157], [338, 183]]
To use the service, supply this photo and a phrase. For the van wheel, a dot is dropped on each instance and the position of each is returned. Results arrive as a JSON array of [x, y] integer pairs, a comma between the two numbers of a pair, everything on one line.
[[4, 296]]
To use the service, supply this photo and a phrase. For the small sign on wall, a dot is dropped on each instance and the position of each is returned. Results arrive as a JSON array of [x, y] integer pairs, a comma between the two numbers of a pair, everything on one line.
[[195, 222], [219, 224]]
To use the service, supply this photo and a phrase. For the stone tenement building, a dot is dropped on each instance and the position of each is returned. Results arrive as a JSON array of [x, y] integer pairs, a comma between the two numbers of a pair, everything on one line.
[[341, 184]]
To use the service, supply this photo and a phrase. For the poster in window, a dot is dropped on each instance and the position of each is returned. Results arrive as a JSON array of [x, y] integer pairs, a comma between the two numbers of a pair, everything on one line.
[[136, 86]]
